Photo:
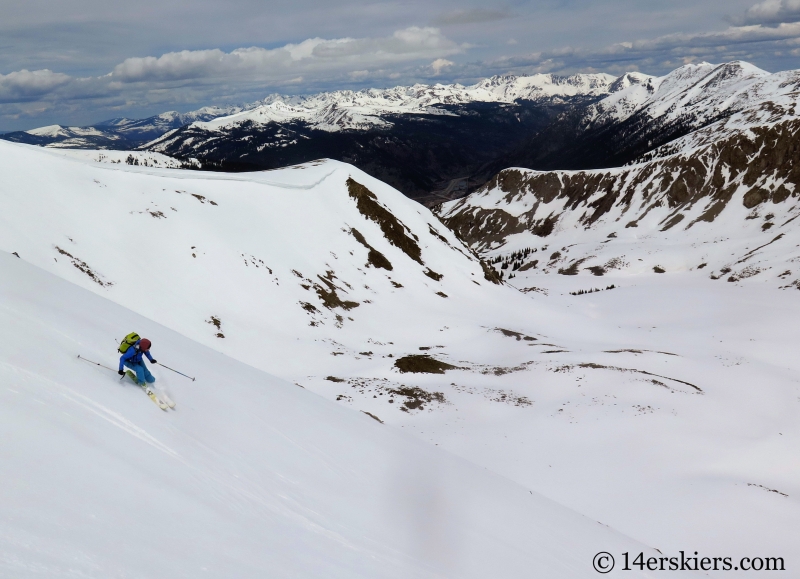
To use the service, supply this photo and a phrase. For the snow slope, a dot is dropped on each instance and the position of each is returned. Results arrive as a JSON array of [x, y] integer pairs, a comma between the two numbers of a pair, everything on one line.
[[635, 406], [250, 476], [282, 247]]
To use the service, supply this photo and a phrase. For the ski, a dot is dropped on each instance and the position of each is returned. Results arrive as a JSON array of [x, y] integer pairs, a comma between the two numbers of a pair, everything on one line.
[[147, 390], [168, 400], [162, 405]]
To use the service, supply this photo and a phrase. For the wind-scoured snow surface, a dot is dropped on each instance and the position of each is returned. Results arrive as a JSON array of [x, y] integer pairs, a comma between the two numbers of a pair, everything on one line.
[[665, 408], [250, 477]]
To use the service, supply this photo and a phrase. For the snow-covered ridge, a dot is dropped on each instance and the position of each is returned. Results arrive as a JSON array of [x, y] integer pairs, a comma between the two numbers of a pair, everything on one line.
[[119, 133], [696, 91], [701, 188], [59, 131]]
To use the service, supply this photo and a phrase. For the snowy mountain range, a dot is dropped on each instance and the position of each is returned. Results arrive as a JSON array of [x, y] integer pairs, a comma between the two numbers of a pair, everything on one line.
[[650, 112], [730, 177], [418, 138], [314, 303], [115, 134], [328, 111], [436, 142], [451, 139], [373, 108]]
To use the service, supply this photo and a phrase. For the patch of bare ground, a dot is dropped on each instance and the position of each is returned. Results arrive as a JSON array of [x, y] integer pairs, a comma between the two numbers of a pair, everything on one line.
[[594, 366], [637, 351], [489, 274], [393, 229], [371, 415], [84, 267], [202, 199], [374, 257], [310, 308], [416, 398], [616, 263], [768, 489], [597, 270], [512, 334], [749, 271], [422, 364], [217, 323], [750, 253], [503, 370], [432, 274], [574, 267], [328, 296], [535, 289], [495, 395]]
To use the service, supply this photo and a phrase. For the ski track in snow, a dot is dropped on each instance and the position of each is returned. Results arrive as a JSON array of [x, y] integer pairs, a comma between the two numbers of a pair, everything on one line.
[[27, 377]]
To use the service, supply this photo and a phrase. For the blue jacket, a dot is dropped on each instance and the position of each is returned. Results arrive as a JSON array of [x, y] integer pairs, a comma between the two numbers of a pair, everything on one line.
[[133, 355]]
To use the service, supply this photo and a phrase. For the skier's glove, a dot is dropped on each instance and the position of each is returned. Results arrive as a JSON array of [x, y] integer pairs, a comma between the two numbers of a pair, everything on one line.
[[121, 372], [153, 362]]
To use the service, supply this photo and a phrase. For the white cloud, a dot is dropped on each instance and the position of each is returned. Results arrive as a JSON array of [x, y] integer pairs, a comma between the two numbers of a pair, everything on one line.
[[241, 75], [768, 33], [771, 12], [668, 51], [26, 85], [440, 64], [318, 54]]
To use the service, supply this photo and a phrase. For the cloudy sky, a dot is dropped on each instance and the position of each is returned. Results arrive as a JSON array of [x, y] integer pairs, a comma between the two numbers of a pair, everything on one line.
[[76, 62]]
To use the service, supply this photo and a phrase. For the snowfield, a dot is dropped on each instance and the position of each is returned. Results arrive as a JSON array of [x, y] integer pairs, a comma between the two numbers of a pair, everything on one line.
[[251, 476], [665, 408]]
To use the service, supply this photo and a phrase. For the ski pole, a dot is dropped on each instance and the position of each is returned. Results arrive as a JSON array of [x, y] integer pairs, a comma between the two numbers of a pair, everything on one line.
[[181, 373], [98, 364], [95, 363]]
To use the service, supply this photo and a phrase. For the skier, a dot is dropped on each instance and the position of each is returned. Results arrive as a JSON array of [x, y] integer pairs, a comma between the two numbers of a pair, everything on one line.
[[133, 358]]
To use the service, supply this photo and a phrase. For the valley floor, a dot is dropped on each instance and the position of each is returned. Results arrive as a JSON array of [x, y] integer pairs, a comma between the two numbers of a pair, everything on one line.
[[667, 407]]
